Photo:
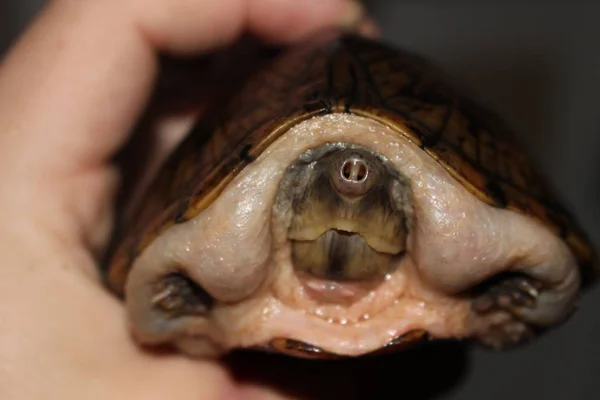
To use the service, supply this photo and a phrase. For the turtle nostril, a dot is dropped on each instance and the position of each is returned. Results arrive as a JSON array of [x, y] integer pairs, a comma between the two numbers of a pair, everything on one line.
[[354, 178], [354, 170]]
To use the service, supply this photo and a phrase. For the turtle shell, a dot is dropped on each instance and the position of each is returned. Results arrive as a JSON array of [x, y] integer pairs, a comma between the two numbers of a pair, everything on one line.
[[349, 74]]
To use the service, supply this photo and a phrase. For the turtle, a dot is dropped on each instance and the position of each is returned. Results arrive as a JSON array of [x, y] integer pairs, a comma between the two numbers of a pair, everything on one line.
[[350, 199]]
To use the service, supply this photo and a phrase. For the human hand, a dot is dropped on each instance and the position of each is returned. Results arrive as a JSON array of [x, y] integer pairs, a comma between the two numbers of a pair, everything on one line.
[[71, 90]]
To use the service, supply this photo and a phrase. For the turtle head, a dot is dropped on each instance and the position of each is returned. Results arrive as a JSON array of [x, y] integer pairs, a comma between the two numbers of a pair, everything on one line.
[[349, 211]]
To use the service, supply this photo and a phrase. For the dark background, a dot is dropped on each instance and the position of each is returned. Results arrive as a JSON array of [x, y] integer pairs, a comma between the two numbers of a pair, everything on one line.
[[538, 63]]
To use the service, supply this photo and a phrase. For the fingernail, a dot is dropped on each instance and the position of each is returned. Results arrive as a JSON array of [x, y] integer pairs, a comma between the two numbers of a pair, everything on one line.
[[368, 27], [353, 15]]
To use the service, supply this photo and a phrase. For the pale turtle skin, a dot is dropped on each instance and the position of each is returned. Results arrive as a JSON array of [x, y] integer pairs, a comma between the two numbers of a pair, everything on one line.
[[349, 200]]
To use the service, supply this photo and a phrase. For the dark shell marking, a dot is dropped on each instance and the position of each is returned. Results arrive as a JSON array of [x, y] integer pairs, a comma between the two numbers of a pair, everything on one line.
[[354, 75], [300, 349]]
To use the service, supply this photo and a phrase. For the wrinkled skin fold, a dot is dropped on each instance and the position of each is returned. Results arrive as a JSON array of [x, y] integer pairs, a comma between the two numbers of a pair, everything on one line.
[[239, 253]]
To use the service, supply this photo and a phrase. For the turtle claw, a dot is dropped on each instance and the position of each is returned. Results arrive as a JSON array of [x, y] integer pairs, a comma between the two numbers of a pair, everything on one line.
[[505, 301], [508, 293], [178, 295], [515, 307]]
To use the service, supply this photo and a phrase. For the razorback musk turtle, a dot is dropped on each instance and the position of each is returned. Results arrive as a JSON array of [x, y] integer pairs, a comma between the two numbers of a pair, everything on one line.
[[349, 199]]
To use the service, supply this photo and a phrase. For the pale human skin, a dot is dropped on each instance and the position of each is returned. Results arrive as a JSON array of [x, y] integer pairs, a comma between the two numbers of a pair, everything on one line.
[[71, 89]]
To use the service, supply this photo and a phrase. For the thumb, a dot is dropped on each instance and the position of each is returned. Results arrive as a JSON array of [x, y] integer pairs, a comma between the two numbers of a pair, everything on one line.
[[74, 85]]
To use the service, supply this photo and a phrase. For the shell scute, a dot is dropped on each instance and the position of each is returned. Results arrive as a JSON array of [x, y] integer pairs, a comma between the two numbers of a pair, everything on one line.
[[364, 77]]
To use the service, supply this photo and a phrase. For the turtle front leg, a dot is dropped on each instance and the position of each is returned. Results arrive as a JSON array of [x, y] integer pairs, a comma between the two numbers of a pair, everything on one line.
[[183, 283], [511, 292], [520, 305]]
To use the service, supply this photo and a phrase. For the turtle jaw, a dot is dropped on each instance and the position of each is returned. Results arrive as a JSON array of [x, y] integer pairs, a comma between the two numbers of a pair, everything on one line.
[[341, 256]]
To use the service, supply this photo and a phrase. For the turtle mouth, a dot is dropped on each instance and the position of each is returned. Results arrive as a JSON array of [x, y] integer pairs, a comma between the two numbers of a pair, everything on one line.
[[348, 228], [344, 255], [350, 210]]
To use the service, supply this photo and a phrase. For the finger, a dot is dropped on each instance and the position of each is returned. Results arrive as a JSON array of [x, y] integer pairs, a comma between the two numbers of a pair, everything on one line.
[[74, 85], [84, 70], [177, 28]]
